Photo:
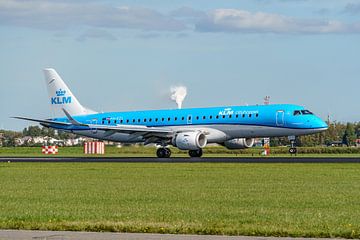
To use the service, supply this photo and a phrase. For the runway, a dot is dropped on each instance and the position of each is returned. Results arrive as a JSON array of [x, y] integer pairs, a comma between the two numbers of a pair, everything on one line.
[[62, 235], [183, 160]]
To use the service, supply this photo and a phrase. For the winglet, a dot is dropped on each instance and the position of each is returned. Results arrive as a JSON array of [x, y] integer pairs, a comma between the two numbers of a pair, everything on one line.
[[72, 120]]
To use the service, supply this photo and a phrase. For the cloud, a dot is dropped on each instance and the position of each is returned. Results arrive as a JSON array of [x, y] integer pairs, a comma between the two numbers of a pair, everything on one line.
[[187, 12], [352, 8], [149, 35], [60, 15], [65, 14], [234, 20], [96, 34]]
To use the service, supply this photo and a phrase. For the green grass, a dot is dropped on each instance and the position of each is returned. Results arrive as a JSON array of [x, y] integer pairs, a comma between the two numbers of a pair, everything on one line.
[[140, 151], [309, 200]]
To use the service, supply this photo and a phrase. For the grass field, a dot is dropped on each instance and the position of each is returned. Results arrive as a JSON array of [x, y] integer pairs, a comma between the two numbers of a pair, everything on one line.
[[311, 200], [141, 151]]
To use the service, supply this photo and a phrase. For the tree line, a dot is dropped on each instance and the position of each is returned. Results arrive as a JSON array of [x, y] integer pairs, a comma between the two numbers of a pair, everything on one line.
[[339, 133]]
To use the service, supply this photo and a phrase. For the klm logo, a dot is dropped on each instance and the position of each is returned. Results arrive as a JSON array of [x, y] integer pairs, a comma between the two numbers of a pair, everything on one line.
[[60, 98]]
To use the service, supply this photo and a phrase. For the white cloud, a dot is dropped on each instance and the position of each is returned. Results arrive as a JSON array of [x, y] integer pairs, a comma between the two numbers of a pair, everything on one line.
[[55, 15], [234, 20]]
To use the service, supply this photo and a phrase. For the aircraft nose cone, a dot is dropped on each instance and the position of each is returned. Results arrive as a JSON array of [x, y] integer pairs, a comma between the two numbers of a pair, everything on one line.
[[322, 124]]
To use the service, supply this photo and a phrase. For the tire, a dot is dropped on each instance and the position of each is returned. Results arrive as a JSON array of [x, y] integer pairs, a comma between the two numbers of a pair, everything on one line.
[[292, 150], [163, 153], [195, 153], [160, 153], [167, 152]]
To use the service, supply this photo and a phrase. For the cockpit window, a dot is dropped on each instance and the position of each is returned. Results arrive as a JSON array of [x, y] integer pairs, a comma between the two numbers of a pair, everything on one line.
[[306, 112], [297, 112]]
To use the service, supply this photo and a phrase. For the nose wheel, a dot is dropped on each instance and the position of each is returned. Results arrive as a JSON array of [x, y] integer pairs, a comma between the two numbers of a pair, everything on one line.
[[163, 153], [196, 153]]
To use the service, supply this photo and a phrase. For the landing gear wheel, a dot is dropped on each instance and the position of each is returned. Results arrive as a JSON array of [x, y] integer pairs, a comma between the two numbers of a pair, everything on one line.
[[196, 153], [163, 153], [292, 150]]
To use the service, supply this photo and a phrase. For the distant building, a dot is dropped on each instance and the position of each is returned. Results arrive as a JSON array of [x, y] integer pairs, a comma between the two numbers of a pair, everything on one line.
[[336, 144], [1, 139]]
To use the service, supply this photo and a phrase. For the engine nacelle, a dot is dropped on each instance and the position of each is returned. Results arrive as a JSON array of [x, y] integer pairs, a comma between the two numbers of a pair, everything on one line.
[[190, 140], [239, 143]]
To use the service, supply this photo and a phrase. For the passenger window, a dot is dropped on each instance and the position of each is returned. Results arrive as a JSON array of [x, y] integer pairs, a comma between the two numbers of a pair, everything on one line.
[[121, 121], [257, 115], [237, 115], [217, 116], [162, 119], [204, 117], [223, 116], [127, 120], [230, 116], [249, 115], [210, 117], [156, 119], [144, 119], [139, 120], [133, 120], [189, 118], [243, 115], [182, 118], [197, 118], [175, 118], [150, 119]]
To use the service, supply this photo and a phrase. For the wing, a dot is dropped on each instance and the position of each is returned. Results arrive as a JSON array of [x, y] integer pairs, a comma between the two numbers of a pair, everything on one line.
[[150, 134], [45, 121]]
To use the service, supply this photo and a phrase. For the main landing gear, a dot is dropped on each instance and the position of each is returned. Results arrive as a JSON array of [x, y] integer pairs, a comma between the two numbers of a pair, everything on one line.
[[163, 152], [196, 153], [292, 149]]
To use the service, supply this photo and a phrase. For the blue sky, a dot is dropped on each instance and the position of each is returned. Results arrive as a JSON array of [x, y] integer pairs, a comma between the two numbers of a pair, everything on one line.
[[125, 55]]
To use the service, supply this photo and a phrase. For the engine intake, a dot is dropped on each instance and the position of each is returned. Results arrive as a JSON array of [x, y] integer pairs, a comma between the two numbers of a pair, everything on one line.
[[239, 143], [190, 141]]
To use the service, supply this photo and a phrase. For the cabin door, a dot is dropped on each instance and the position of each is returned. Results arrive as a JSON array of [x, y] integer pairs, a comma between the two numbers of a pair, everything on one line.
[[280, 118]]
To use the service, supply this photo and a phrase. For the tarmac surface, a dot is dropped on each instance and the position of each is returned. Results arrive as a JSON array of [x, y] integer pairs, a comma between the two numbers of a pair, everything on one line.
[[66, 235], [184, 160]]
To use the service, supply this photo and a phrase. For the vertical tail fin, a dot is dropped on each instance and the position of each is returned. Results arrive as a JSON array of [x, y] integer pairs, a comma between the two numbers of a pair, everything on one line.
[[61, 97]]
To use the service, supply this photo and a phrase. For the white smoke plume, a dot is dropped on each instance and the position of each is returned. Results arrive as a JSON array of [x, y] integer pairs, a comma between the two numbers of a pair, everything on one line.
[[178, 94]]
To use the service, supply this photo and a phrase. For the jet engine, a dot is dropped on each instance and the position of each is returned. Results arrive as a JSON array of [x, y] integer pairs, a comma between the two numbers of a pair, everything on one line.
[[190, 140], [239, 143]]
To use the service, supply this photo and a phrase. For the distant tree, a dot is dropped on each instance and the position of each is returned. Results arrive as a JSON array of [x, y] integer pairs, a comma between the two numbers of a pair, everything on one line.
[[349, 136], [32, 131]]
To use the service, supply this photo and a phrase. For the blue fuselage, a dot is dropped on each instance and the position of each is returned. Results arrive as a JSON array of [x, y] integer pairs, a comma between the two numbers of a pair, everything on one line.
[[233, 121]]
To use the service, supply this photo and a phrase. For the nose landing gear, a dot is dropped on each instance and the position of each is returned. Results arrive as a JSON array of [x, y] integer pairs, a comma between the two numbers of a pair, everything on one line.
[[292, 149]]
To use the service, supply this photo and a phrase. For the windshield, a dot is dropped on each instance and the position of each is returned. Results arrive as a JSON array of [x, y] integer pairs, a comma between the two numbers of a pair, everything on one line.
[[297, 112], [306, 112], [302, 112]]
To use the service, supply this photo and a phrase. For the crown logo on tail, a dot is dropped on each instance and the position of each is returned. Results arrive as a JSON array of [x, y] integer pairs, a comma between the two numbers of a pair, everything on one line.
[[60, 93]]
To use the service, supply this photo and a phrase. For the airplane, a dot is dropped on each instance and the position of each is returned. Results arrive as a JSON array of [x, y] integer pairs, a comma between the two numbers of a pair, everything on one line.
[[191, 129]]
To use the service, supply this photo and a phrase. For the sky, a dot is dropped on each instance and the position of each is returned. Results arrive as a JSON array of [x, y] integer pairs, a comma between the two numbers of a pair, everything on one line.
[[126, 55]]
